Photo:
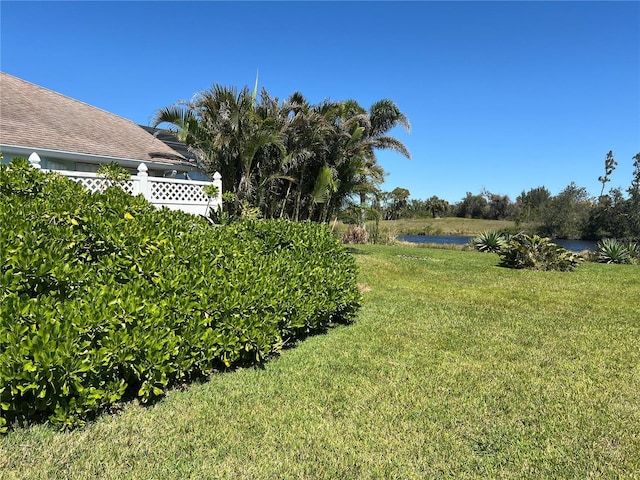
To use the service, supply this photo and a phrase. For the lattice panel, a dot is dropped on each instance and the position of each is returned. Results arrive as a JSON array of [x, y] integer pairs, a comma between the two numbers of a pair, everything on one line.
[[99, 184], [128, 187], [91, 184], [177, 192]]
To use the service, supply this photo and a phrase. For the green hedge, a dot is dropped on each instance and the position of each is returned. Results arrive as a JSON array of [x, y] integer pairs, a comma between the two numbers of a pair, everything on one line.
[[102, 296]]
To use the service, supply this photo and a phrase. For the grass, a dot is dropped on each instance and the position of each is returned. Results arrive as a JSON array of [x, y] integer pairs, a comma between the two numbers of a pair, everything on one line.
[[446, 226], [455, 368], [436, 226]]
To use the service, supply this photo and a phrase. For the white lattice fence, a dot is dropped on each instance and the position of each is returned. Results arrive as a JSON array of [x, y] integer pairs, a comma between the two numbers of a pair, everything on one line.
[[96, 184], [185, 195], [170, 190]]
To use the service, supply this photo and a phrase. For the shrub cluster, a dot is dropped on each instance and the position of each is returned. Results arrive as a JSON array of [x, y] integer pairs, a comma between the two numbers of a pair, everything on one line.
[[103, 297], [527, 251], [537, 253]]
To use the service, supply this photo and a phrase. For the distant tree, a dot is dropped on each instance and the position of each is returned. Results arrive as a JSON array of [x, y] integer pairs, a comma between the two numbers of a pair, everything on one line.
[[567, 214], [634, 200], [415, 208], [614, 215], [499, 207], [609, 216], [529, 206], [397, 202], [436, 206], [472, 206]]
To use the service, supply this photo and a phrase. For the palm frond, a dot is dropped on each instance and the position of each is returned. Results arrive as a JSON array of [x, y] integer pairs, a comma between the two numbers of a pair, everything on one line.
[[181, 117], [356, 135], [386, 115], [322, 185], [391, 143]]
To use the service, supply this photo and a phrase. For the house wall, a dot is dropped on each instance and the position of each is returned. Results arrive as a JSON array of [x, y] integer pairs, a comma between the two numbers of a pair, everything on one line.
[[46, 162]]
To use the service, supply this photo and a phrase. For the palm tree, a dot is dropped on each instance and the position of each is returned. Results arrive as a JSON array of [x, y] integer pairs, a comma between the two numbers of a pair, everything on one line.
[[436, 206], [360, 134], [289, 159], [384, 115], [228, 132], [185, 124], [307, 140]]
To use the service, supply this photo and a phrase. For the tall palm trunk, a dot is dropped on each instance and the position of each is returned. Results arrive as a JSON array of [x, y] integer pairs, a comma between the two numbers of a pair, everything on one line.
[[362, 213], [284, 200]]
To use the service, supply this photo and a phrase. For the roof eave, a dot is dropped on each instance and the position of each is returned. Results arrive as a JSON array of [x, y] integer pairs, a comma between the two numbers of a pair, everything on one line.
[[90, 158]]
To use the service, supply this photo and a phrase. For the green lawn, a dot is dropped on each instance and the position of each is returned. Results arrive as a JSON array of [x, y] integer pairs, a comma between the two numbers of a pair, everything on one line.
[[455, 368]]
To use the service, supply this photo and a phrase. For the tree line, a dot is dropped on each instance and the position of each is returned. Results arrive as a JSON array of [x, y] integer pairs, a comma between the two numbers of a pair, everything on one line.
[[572, 213], [287, 159], [302, 161]]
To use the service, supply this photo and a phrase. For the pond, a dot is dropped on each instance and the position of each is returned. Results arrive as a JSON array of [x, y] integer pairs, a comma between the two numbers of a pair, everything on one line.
[[573, 245]]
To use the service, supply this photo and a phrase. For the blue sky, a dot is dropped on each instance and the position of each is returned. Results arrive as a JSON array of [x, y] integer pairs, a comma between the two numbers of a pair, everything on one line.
[[503, 96]]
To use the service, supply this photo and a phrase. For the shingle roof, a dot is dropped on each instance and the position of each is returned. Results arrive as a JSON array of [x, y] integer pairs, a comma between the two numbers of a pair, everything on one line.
[[32, 116], [170, 139]]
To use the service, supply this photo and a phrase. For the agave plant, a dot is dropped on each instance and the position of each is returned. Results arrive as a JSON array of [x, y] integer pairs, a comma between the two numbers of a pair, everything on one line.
[[537, 253], [634, 252], [610, 250], [491, 242]]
